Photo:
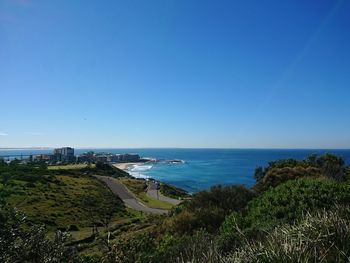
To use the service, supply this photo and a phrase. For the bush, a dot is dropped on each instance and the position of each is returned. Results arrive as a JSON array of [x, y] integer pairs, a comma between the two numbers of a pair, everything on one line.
[[198, 248], [229, 198], [20, 243], [207, 209], [287, 202], [277, 176], [73, 228], [137, 248], [172, 191], [322, 237], [277, 172]]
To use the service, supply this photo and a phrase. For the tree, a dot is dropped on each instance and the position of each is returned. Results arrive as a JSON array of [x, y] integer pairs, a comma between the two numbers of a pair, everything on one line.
[[259, 173], [20, 243], [332, 166]]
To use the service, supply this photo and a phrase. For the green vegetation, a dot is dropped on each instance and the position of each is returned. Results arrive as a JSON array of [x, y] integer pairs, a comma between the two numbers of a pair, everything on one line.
[[139, 188], [60, 201], [172, 191], [64, 201], [287, 202], [298, 211], [29, 244], [71, 166], [299, 205], [320, 237], [207, 209]]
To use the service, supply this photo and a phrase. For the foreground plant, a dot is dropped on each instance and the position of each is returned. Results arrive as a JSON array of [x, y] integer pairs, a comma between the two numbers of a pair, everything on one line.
[[322, 237]]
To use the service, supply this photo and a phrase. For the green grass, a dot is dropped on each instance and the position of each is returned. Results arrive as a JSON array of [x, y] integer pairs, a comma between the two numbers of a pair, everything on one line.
[[139, 189], [154, 203], [70, 166], [67, 200]]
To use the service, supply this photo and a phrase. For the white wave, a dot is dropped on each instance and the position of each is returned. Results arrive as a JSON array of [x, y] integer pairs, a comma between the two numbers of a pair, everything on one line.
[[140, 168], [138, 175]]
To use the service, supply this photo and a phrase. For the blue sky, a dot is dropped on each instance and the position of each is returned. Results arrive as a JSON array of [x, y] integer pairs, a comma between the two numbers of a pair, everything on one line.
[[181, 73]]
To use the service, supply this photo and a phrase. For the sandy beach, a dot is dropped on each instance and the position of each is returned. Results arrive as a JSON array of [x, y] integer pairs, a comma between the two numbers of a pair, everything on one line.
[[124, 166]]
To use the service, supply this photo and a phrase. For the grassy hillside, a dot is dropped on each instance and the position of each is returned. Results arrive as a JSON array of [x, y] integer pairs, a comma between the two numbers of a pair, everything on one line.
[[59, 198], [65, 200]]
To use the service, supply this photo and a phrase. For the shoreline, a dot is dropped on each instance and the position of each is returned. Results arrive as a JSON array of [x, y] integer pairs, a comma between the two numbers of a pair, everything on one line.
[[125, 166]]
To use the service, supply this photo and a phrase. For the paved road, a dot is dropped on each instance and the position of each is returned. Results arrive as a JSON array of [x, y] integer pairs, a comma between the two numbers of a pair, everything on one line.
[[129, 200], [152, 192]]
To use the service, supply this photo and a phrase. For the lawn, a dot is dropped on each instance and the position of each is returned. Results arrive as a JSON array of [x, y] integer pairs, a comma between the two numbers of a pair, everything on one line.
[[70, 166]]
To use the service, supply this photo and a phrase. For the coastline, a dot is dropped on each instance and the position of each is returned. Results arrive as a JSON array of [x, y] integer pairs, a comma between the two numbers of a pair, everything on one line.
[[125, 166]]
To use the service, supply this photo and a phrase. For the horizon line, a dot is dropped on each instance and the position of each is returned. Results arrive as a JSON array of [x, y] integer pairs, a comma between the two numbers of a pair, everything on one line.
[[218, 148]]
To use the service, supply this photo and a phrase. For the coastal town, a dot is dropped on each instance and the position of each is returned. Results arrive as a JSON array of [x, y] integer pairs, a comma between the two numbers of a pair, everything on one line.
[[66, 155]]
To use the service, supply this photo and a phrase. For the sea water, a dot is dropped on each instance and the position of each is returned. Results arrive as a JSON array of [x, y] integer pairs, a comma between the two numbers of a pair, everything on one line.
[[202, 168]]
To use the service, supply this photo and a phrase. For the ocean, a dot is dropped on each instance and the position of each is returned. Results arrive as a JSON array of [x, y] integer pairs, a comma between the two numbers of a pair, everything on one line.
[[202, 168]]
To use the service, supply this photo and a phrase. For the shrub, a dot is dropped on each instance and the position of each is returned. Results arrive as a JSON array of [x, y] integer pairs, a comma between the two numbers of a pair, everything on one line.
[[73, 228], [280, 171], [207, 209], [287, 202], [198, 248], [276, 176], [20, 243], [322, 237], [137, 248], [172, 191]]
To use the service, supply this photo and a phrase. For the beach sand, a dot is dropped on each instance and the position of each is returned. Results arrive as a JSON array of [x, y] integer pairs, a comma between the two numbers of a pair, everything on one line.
[[124, 166]]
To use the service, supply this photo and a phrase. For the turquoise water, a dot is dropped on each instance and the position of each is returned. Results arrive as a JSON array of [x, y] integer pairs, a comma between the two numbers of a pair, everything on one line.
[[202, 168]]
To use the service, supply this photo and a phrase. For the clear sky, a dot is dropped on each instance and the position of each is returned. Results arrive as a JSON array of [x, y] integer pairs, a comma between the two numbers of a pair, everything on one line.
[[175, 73]]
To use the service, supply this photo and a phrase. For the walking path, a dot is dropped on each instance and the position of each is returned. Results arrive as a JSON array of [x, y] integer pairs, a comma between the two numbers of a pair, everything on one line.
[[153, 192], [128, 198]]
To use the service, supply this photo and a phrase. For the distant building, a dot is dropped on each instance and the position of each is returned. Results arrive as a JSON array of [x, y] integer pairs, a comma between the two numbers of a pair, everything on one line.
[[101, 158], [104, 157], [40, 157], [65, 154], [87, 157], [114, 158], [129, 157]]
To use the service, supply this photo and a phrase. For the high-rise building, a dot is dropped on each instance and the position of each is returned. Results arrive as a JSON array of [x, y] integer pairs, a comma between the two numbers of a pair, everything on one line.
[[65, 154]]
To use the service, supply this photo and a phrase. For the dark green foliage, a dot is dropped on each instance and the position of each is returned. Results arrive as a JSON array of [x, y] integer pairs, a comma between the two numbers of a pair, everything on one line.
[[226, 198], [196, 248], [18, 243], [287, 202], [73, 228], [32, 172], [258, 174], [276, 176], [347, 174], [207, 209], [283, 204], [172, 191], [138, 248], [280, 171], [104, 170], [332, 166]]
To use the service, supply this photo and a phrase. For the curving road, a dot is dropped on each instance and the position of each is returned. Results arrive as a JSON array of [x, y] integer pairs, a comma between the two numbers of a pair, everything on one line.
[[155, 194], [128, 198]]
